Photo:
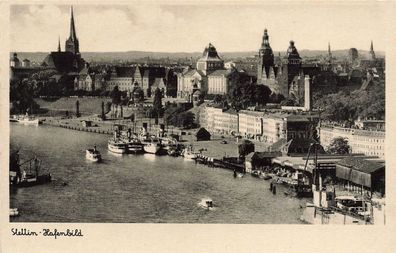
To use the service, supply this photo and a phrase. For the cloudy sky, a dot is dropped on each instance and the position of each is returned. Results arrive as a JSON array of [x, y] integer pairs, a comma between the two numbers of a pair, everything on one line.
[[189, 27]]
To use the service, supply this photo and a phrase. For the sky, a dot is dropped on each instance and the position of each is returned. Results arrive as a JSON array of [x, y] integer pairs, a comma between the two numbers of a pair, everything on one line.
[[190, 27]]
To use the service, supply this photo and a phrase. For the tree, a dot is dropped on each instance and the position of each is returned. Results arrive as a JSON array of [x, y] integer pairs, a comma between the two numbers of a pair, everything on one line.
[[288, 102], [170, 114], [339, 146], [21, 97], [157, 102], [186, 120], [115, 96], [77, 108], [245, 148], [217, 99], [103, 115], [262, 94]]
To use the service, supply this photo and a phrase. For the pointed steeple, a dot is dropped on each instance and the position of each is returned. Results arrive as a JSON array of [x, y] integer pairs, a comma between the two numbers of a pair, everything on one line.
[[329, 53], [59, 46], [72, 44], [372, 54], [329, 49], [72, 27]]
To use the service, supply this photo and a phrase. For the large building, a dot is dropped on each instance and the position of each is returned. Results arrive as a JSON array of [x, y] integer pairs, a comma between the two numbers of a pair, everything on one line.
[[361, 140], [219, 121], [20, 70], [68, 61], [146, 78], [209, 76], [268, 127], [280, 74]]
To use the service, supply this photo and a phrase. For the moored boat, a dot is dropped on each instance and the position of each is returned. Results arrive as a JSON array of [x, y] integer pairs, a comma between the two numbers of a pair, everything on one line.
[[173, 152], [188, 153], [25, 177], [134, 146], [116, 147], [151, 147], [29, 121]]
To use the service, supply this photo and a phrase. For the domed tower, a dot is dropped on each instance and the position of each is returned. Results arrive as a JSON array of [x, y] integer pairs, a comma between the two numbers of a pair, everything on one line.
[[292, 55], [210, 60], [265, 58]]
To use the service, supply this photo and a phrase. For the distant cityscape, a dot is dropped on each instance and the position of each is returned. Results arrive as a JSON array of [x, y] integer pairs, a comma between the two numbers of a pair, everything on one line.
[[288, 116]]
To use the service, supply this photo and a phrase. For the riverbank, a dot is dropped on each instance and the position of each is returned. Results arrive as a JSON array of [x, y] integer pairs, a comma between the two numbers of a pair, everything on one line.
[[217, 148]]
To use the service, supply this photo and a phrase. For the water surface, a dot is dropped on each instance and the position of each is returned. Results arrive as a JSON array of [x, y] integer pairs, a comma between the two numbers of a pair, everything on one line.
[[136, 188]]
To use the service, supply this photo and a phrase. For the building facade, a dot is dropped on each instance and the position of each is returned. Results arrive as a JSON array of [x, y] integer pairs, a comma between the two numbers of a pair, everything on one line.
[[368, 142], [262, 126], [209, 76]]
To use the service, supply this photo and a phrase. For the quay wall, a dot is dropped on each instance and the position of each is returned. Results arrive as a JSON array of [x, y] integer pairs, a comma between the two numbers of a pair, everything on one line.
[[97, 130]]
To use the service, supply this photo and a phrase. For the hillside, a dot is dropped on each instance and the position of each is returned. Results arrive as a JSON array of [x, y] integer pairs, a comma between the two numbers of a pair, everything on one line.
[[134, 55]]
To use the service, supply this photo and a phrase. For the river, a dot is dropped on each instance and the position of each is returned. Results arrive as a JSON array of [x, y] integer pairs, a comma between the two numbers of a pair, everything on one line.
[[135, 188]]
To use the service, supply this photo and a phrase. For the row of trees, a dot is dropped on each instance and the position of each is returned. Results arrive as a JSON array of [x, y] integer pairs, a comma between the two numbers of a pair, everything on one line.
[[177, 116], [346, 106], [21, 97], [243, 95]]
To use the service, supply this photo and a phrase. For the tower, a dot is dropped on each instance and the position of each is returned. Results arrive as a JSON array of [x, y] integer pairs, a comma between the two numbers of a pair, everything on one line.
[[293, 62], [372, 54], [72, 42], [210, 60], [329, 54], [59, 46], [266, 58], [307, 93]]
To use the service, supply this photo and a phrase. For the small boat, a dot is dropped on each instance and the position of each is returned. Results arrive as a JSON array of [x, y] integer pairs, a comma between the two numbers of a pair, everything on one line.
[[29, 176], [173, 152], [189, 155], [29, 121], [14, 212], [299, 191], [93, 155], [206, 203], [134, 146], [152, 147], [256, 173], [31, 180], [116, 147]]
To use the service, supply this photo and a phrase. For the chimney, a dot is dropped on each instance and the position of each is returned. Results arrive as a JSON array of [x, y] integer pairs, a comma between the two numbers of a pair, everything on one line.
[[307, 93]]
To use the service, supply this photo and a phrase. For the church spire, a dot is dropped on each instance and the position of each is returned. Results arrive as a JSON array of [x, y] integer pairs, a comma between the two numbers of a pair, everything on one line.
[[329, 49], [329, 53], [372, 54], [72, 44], [59, 46], [72, 27]]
